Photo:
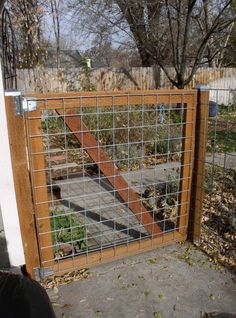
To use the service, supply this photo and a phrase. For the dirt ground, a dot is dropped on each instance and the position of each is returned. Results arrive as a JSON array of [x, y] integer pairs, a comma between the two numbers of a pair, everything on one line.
[[174, 281]]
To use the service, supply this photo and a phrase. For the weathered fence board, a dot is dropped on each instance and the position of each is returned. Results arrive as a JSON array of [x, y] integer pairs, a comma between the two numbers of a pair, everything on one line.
[[113, 79]]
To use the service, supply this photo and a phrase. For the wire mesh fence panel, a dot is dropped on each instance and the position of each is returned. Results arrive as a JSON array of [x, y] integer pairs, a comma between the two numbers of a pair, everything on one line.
[[111, 173], [218, 235]]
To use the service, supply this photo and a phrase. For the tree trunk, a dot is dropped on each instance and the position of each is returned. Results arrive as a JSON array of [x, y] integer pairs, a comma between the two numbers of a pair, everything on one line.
[[1, 5], [157, 76], [145, 57]]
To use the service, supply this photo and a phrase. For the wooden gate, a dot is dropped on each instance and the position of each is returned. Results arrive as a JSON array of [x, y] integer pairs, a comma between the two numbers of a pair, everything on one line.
[[110, 174]]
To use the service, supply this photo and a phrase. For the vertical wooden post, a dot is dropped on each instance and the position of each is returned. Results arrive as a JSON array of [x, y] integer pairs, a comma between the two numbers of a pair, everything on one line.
[[199, 163], [39, 182], [187, 165], [22, 184]]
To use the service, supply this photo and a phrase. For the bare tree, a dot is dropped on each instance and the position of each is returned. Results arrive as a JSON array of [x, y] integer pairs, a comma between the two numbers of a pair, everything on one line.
[[1, 5], [183, 34], [115, 21], [218, 42], [26, 18], [144, 19], [187, 40], [56, 26]]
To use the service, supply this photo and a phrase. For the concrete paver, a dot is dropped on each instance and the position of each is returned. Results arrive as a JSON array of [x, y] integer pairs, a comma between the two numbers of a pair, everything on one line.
[[227, 160], [160, 281]]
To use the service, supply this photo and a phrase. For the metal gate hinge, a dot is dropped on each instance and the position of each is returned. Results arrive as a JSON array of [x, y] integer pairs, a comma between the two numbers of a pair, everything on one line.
[[21, 105], [41, 273], [17, 100]]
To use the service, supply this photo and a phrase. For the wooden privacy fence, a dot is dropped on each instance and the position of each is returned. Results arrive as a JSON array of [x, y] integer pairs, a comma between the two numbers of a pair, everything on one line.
[[45, 80], [109, 174]]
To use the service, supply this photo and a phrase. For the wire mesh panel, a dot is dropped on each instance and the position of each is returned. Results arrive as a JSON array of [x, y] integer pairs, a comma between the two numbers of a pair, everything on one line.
[[218, 235], [111, 173]]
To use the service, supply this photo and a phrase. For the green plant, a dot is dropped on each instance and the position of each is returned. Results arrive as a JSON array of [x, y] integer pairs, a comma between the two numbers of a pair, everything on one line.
[[66, 228], [86, 83]]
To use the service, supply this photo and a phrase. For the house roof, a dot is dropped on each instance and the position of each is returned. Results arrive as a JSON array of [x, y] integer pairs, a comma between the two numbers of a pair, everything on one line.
[[68, 58]]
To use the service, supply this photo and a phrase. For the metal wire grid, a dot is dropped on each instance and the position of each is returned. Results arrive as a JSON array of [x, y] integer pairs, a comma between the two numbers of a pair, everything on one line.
[[87, 213], [218, 236]]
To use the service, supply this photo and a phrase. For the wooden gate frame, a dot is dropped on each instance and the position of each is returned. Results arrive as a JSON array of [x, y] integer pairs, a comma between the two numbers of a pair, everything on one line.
[[35, 256]]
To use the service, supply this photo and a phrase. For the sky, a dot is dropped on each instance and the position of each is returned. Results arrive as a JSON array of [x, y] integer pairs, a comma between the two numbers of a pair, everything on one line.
[[72, 35]]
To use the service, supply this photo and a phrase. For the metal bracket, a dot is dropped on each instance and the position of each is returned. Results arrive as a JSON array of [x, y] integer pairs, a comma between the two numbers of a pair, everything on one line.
[[17, 100], [21, 105], [40, 273], [29, 105], [202, 87]]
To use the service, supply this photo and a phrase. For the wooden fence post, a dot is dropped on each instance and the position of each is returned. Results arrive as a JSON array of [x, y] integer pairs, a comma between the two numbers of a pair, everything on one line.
[[16, 133], [201, 137]]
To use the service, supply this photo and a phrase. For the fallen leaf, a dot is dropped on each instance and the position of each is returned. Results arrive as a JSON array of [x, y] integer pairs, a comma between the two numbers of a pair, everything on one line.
[[146, 293], [55, 290], [66, 306], [56, 305], [98, 313], [212, 297], [152, 261], [162, 297]]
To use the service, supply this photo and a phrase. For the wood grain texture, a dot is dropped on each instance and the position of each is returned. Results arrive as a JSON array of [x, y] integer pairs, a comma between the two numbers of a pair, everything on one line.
[[187, 164], [115, 253], [199, 165], [103, 99], [113, 79], [39, 184], [16, 133]]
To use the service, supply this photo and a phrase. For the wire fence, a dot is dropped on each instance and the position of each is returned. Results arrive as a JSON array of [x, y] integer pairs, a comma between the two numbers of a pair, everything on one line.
[[218, 237], [110, 172]]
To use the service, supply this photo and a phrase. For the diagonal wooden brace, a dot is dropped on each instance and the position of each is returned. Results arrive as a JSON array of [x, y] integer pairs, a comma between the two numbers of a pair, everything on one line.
[[110, 171]]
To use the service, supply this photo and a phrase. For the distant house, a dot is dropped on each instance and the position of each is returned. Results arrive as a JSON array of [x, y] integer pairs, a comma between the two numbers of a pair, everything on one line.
[[98, 64], [69, 59]]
